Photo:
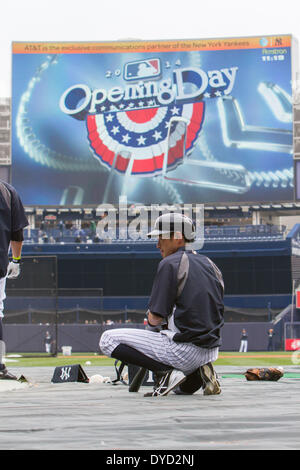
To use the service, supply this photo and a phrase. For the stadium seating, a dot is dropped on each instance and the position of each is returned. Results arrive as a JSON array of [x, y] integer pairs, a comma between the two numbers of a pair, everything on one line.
[[212, 233]]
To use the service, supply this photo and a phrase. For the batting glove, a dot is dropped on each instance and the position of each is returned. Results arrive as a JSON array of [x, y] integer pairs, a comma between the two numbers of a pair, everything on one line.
[[156, 329], [168, 333], [13, 269]]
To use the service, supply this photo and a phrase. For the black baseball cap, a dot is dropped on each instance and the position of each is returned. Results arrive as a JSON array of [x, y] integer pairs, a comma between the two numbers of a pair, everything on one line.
[[174, 222]]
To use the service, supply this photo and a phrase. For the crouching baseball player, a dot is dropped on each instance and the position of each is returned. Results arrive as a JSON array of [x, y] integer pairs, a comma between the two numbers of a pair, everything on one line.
[[185, 317]]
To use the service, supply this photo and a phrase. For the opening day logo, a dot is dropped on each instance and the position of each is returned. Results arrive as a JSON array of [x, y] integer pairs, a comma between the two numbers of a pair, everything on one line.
[[133, 128]]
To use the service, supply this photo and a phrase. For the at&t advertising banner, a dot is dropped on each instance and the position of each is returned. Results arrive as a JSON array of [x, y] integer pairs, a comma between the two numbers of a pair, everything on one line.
[[195, 121]]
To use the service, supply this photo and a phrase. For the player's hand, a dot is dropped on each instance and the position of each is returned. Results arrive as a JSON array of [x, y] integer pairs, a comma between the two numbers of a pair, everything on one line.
[[156, 328], [13, 270]]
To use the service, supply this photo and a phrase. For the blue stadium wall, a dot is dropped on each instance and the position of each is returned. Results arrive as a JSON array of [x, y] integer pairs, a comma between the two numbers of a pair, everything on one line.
[[256, 273]]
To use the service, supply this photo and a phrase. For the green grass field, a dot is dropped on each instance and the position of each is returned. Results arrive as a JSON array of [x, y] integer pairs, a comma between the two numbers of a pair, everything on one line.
[[259, 359]]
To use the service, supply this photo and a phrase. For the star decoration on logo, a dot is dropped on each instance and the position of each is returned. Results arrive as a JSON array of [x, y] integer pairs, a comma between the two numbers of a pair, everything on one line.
[[115, 130], [175, 111], [141, 140], [126, 138], [157, 135]]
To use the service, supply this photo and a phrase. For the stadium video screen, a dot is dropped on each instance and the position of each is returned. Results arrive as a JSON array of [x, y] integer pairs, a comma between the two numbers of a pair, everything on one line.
[[206, 121], [297, 180]]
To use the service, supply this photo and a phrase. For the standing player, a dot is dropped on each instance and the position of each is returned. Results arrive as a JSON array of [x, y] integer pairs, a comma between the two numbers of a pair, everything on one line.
[[185, 316], [48, 342], [12, 222], [271, 335], [244, 341]]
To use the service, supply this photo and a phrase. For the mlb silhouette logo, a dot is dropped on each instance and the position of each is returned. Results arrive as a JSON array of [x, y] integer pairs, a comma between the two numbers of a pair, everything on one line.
[[142, 69]]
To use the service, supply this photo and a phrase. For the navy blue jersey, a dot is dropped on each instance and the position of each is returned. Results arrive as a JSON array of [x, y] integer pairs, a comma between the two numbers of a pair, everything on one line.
[[12, 219], [188, 292]]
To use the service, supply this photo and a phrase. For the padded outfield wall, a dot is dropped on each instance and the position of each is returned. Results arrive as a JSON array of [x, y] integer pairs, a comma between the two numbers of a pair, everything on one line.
[[85, 338]]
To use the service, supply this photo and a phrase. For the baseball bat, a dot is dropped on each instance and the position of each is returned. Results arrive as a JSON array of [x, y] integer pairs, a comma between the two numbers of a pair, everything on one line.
[[138, 380]]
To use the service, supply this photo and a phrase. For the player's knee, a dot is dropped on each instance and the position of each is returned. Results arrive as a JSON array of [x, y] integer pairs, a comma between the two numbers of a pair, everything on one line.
[[105, 342]]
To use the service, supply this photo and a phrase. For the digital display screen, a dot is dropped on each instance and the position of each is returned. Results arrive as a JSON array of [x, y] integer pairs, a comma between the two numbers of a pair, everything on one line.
[[297, 180], [205, 121]]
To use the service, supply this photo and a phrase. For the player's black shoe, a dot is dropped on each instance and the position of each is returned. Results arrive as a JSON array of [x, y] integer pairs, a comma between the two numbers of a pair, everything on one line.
[[5, 375], [192, 383], [210, 379]]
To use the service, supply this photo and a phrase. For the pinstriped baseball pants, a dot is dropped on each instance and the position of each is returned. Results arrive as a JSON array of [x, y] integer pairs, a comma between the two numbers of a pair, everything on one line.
[[2, 294], [186, 357]]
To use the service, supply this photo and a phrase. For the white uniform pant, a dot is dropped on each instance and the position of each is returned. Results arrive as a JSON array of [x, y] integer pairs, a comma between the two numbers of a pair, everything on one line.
[[2, 295], [186, 357], [244, 345]]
